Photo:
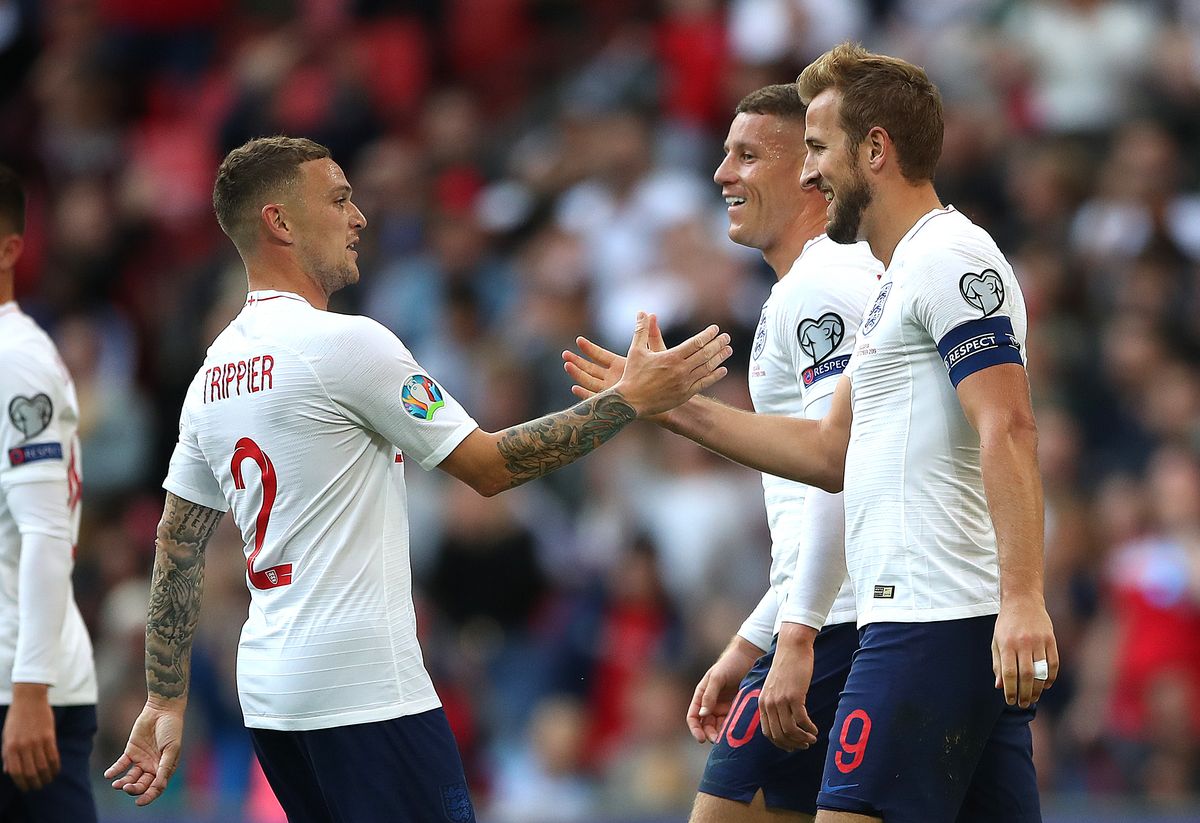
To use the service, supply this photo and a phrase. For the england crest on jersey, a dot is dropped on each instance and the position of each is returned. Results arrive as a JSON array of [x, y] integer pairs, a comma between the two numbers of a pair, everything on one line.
[[760, 336], [877, 310]]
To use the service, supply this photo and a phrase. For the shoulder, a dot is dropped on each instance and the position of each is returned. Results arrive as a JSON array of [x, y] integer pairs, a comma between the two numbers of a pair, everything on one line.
[[829, 274], [947, 242], [29, 354]]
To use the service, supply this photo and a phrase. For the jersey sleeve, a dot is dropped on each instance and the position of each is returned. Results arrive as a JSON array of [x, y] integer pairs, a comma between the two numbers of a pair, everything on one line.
[[189, 476], [37, 423], [819, 334], [967, 303], [759, 628], [375, 379]]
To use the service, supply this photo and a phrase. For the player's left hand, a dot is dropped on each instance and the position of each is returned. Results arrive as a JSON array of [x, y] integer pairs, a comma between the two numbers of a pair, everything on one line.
[[1024, 635], [151, 755], [30, 749], [785, 719]]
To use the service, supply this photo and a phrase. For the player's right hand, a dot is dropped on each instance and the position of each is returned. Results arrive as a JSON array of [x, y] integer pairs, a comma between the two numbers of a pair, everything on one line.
[[150, 756], [30, 749], [781, 708], [595, 368], [716, 691]]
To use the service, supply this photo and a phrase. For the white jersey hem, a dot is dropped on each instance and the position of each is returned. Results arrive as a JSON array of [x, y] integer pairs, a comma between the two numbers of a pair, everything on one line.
[[884, 615], [339, 719]]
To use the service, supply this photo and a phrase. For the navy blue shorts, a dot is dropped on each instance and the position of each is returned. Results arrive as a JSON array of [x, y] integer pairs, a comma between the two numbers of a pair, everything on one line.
[[68, 798], [405, 770], [923, 736], [743, 760]]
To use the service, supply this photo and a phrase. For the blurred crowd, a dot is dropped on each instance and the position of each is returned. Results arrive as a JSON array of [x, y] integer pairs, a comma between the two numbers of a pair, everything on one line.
[[536, 169]]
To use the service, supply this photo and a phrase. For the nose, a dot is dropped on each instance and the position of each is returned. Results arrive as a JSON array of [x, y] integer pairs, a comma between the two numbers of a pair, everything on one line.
[[357, 218], [724, 173], [809, 176]]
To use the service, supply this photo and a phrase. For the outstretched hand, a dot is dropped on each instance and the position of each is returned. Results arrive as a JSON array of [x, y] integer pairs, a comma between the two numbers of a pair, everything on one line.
[[150, 756], [652, 378]]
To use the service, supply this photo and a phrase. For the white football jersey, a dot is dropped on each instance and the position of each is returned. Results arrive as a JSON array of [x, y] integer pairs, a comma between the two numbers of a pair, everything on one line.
[[38, 442], [300, 421], [920, 545], [804, 339]]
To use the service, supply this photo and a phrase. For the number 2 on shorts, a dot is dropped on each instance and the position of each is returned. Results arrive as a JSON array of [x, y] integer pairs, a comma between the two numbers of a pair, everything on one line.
[[856, 750], [247, 449]]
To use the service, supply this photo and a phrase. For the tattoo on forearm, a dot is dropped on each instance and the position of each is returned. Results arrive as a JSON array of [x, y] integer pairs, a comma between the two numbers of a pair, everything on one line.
[[540, 446], [175, 592]]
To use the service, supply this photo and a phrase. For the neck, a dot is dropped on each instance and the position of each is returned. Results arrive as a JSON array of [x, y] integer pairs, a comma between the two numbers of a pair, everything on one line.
[[897, 209], [7, 292], [809, 223], [285, 276]]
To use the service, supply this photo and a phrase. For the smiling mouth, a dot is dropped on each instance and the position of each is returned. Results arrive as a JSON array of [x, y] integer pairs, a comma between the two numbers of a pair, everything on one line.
[[735, 201]]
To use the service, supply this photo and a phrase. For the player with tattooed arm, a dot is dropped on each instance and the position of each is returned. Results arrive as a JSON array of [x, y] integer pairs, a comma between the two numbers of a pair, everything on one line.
[[302, 422]]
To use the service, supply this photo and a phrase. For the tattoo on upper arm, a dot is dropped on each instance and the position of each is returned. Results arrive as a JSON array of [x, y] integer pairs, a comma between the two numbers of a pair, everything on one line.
[[175, 592], [540, 446]]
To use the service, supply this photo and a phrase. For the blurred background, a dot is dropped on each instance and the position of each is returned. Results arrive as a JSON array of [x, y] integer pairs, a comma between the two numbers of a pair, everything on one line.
[[536, 169]]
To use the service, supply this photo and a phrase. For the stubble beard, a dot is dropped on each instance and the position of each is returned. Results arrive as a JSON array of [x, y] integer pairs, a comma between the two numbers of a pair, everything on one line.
[[331, 277], [848, 210]]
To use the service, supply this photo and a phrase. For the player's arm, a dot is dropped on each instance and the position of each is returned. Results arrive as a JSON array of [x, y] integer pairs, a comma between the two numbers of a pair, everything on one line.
[[996, 402], [714, 694], [42, 516], [818, 576], [651, 382], [807, 451], [152, 753]]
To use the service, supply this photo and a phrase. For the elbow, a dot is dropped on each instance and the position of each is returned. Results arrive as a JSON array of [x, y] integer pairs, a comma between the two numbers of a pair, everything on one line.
[[1016, 430], [833, 480], [833, 473], [487, 484]]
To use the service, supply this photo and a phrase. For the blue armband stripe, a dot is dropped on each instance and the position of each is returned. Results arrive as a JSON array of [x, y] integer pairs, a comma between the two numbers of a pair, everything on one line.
[[977, 344]]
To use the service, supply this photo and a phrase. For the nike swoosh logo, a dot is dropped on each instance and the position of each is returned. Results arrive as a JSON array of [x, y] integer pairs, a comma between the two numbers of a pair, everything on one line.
[[836, 789]]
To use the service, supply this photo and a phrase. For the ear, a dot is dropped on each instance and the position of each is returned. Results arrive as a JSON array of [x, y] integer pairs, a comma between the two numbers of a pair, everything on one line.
[[276, 223], [878, 146], [11, 246]]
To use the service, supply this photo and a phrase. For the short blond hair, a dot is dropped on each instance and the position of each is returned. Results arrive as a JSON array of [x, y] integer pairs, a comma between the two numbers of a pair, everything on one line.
[[878, 90]]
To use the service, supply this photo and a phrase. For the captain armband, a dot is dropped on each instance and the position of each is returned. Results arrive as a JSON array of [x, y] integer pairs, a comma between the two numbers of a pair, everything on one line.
[[977, 344]]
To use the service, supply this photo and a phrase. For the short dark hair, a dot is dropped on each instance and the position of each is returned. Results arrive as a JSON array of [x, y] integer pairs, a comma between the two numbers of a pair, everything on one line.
[[253, 174], [779, 100], [883, 91], [12, 202]]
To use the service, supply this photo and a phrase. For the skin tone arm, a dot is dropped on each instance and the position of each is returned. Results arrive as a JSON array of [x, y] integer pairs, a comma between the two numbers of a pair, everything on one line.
[[808, 451], [996, 402], [714, 694], [648, 382], [152, 753]]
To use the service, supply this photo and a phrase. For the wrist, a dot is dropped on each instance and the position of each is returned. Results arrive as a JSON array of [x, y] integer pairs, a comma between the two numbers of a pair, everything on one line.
[[167, 704], [1022, 596], [797, 634], [30, 693], [741, 646]]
